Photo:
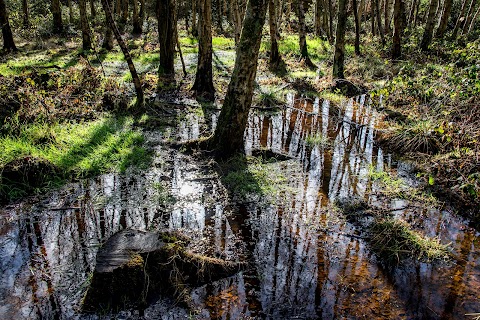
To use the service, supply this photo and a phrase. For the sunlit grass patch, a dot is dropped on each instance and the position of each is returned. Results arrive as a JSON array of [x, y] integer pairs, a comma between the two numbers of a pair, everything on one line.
[[223, 43], [318, 49], [393, 240], [79, 150], [318, 139]]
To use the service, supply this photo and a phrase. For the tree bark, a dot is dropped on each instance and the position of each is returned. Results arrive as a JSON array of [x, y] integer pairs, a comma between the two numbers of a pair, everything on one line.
[[430, 25], [302, 35], [194, 18], [57, 17], [387, 16], [357, 27], [474, 20], [318, 17], [379, 23], [166, 37], [461, 18], [397, 29], [108, 41], [339, 56], [412, 11], [136, 80], [275, 58], [137, 26], [26, 18], [93, 12], [468, 20], [86, 39], [372, 16], [228, 137], [203, 85], [8, 43], [442, 27]]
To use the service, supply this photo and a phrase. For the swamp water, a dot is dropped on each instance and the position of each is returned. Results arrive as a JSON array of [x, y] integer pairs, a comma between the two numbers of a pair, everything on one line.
[[306, 260]]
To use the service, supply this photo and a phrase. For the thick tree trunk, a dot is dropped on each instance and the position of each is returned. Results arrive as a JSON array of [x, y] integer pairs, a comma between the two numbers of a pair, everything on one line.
[[442, 27], [357, 27], [461, 18], [339, 57], [430, 25], [397, 29], [302, 35], [166, 37], [275, 58], [86, 39], [387, 17], [8, 43], [468, 20], [118, 7], [93, 12], [203, 85], [137, 26], [57, 17], [318, 17], [228, 136], [26, 18], [136, 80]]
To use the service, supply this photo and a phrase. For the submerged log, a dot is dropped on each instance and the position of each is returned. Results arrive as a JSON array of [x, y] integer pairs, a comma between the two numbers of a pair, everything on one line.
[[134, 267]]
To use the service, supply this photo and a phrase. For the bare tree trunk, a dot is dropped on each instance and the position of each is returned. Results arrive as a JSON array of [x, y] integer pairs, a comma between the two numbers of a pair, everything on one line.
[[118, 7], [57, 17], [26, 18], [461, 18], [379, 23], [444, 18], [398, 26], [474, 20], [412, 11], [357, 27], [166, 37], [361, 11], [468, 20], [93, 12], [430, 25], [302, 35], [86, 39], [372, 16], [318, 18], [194, 18], [387, 17], [137, 26], [8, 43], [203, 85], [228, 136], [136, 79], [330, 22], [339, 56], [275, 58], [108, 41]]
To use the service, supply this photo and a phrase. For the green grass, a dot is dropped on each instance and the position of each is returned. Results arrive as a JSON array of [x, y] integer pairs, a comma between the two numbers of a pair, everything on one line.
[[393, 240], [318, 139], [318, 49], [81, 150]]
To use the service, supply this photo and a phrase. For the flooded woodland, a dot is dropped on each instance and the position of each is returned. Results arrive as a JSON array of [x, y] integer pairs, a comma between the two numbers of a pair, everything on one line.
[[239, 159], [305, 258]]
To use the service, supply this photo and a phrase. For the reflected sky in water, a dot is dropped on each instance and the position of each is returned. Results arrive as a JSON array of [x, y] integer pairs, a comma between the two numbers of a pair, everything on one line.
[[307, 261]]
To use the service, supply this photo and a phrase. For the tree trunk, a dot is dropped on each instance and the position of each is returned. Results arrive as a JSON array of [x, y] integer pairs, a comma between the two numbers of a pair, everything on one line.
[[203, 85], [8, 43], [118, 7], [330, 20], [412, 11], [339, 57], [357, 27], [430, 25], [93, 12], [397, 29], [166, 37], [275, 58], [461, 18], [86, 39], [474, 20], [379, 22], [387, 16], [361, 11], [194, 18], [124, 12], [70, 11], [417, 10], [137, 26], [26, 18], [444, 18], [108, 41], [228, 136], [136, 80], [318, 17], [468, 20], [57, 17], [372, 16], [302, 35]]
